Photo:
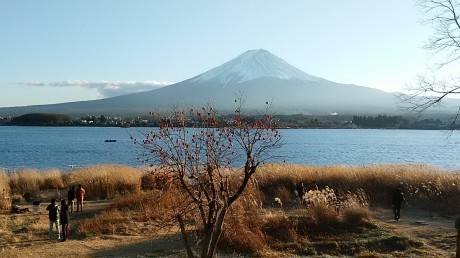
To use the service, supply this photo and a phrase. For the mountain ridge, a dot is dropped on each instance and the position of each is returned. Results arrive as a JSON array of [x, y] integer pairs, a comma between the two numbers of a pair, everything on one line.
[[258, 75]]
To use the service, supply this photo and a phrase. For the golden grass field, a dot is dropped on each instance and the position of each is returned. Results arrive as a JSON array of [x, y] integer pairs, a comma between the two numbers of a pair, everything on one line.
[[126, 213]]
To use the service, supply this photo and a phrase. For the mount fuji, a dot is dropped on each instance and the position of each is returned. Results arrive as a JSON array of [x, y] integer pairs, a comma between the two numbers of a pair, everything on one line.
[[251, 65], [258, 76]]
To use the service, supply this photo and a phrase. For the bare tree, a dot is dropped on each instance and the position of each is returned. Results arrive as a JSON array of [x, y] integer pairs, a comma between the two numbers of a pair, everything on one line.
[[211, 158], [443, 15]]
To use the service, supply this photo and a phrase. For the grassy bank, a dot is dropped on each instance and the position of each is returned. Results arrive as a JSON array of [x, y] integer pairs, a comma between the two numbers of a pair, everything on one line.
[[275, 220], [424, 186], [269, 213]]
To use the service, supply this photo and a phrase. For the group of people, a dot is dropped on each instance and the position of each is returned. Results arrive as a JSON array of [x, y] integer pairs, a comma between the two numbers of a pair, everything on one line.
[[60, 215], [78, 195]]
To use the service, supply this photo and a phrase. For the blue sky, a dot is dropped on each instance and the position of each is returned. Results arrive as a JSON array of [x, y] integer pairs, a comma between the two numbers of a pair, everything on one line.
[[60, 51]]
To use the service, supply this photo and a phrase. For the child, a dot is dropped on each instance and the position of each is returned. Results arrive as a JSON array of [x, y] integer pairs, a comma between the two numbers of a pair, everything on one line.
[[53, 214]]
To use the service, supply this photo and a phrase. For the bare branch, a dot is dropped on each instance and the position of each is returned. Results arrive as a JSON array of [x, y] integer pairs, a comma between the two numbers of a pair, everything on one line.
[[442, 14], [428, 93]]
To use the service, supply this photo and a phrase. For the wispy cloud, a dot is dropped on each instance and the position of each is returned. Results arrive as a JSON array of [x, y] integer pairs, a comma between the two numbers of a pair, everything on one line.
[[33, 83], [105, 88]]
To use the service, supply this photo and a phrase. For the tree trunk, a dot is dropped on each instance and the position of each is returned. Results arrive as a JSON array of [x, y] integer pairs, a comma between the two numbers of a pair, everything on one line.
[[184, 236], [217, 232], [208, 231]]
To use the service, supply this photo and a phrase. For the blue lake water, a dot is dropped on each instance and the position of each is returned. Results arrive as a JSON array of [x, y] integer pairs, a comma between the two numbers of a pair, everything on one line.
[[59, 147]]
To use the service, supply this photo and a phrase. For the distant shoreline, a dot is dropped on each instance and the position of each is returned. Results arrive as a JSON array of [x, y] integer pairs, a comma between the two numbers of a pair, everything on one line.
[[296, 121], [287, 127]]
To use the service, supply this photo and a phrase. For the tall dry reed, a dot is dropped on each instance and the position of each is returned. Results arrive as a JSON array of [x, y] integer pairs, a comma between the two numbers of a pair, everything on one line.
[[244, 222], [4, 184], [107, 181], [4, 190], [424, 186], [29, 182], [25, 182], [101, 182], [51, 179]]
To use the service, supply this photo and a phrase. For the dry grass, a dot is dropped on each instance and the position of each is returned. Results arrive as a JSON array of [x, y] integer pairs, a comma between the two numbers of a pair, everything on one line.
[[149, 206], [110, 222], [18, 229], [4, 191], [253, 226], [17, 198], [29, 182], [51, 179], [100, 182], [107, 181], [355, 208], [279, 227], [289, 230], [356, 214], [4, 184], [324, 215], [25, 182], [284, 194], [238, 229], [5, 204], [128, 215], [425, 186]]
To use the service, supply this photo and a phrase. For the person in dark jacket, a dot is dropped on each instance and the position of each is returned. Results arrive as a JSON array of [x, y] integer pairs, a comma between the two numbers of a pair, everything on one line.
[[301, 190], [397, 202], [65, 218], [53, 214], [457, 226], [71, 195]]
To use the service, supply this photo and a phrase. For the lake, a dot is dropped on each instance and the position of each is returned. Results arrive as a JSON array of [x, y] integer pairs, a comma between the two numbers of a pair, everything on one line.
[[59, 147]]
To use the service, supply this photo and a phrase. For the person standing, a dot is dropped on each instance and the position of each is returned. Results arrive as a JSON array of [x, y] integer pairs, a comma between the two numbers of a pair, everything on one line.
[[397, 202], [71, 197], [80, 195], [457, 226], [53, 214], [64, 216], [301, 190]]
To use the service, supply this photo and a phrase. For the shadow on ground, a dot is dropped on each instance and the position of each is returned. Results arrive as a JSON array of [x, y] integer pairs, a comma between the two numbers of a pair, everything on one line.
[[169, 246], [90, 210]]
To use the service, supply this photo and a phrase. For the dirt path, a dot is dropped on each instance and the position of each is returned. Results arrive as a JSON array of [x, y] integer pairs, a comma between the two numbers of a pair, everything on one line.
[[435, 231], [31, 238]]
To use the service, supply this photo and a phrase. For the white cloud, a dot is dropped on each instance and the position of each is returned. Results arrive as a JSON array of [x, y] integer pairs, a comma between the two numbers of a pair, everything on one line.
[[105, 88], [33, 83]]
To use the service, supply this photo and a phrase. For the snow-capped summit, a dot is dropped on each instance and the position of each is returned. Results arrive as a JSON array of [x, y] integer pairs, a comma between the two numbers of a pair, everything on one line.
[[254, 64]]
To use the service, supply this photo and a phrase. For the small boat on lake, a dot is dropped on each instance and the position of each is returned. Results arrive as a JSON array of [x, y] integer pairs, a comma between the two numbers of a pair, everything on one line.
[[110, 140]]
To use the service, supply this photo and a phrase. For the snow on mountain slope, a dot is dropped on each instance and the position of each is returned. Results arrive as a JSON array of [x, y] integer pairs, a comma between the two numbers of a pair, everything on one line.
[[254, 64]]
